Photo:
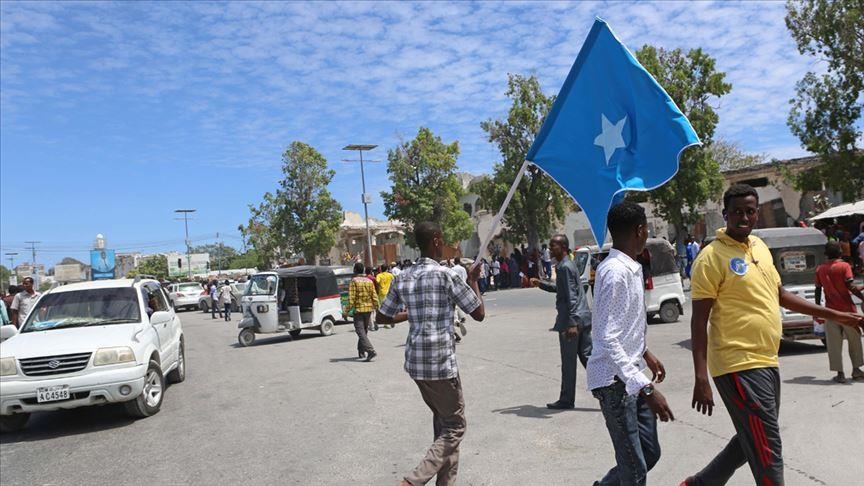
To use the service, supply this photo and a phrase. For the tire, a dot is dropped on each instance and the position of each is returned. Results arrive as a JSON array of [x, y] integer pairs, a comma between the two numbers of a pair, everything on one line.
[[178, 374], [150, 400], [669, 312], [204, 306], [246, 337], [295, 332], [13, 423], [327, 325], [824, 342]]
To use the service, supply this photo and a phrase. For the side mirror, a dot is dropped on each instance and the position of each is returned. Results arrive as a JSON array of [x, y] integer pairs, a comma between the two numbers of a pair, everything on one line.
[[7, 332], [160, 317]]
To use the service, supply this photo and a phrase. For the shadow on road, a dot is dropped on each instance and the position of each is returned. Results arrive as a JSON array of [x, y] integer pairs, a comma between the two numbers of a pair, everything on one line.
[[346, 360], [278, 338], [533, 411], [794, 348], [61, 423], [686, 344], [812, 380]]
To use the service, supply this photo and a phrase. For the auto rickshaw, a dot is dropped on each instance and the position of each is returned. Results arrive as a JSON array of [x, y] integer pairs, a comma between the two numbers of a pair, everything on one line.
[[664, 293], [290, 300]]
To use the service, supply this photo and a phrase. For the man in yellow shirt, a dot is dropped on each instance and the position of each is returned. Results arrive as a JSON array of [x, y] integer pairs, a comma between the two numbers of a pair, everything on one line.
[[384, 279], [737, 288], [363, 299]]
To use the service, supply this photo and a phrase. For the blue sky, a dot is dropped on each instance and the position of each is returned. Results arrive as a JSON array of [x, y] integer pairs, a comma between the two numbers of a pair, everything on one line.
[[112, 115]]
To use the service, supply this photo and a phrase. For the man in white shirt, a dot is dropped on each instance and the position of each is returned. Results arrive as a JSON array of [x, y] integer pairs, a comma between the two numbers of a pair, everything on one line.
[[628, 399], [23, 302]]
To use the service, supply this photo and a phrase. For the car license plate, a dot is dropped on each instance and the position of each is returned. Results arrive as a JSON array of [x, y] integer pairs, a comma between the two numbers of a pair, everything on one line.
[[52, 393]]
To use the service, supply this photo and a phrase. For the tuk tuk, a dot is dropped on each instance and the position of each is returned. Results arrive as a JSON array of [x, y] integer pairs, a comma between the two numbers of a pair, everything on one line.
[[796, 253], [290, 300], [664, 292]]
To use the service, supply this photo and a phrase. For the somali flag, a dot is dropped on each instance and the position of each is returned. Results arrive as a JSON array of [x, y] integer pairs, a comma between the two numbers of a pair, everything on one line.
[[612, 129]]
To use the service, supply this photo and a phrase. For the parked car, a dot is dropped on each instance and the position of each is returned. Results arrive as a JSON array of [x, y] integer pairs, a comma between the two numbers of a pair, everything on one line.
[[237, 289], [185, 295], [91, 343]]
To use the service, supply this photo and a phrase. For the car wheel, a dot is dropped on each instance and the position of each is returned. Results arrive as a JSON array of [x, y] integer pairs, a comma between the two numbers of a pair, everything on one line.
[[824, 342], [150, 400], [295, 332], [327, 325], [246, 337], [669, 312], [178, 374], [13, 423]]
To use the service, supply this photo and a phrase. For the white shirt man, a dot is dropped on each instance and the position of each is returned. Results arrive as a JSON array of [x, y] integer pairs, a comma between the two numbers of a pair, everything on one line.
[[23, 302]]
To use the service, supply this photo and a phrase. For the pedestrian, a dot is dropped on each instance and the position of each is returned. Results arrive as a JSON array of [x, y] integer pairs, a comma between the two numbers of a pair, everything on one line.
[[630, 402], [214, 299], [384, 279], [225, 299], [692, 250], [495, 269], [23, 302], [573, 320], [835, 277], [736, 286], [546, 259], [7, 299], [429, 292], [505, 273], [484, 276], [363, 299], [394, 269], [4, 314]]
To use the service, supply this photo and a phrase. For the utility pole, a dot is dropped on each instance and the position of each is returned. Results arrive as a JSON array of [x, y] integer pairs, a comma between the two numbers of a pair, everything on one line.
[[186, 223], [366, 197], [11, 256], [33, 272]]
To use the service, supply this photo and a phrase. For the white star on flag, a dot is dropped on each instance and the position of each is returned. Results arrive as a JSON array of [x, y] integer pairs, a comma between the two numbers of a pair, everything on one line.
[[610, 138]]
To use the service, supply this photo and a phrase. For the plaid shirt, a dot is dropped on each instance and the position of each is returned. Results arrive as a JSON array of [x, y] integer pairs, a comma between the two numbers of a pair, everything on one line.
[[430, 292], [361, 295]]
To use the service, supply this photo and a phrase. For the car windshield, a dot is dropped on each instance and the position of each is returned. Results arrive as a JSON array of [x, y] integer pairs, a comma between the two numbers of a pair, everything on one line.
[[189, 287], [79, 308], [261, 285]]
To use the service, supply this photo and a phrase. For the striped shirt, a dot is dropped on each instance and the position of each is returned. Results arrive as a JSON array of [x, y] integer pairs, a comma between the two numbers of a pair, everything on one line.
[[361, 294], [430, 293]]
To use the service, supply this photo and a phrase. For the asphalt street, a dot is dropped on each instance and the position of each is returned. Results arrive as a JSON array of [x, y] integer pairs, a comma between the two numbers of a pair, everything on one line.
[[308, 412]]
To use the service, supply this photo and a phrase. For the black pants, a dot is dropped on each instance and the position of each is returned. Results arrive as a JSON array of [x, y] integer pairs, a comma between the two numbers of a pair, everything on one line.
[[753, 400], [362, 320], [572, 352]]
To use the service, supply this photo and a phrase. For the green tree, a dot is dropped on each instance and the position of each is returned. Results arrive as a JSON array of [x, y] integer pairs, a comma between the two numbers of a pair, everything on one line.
[[538, 204], [729, 156], [249, 259], [155, 265], [5, 273], [425, 186], [692, 81], [302, 216], [826, 112], [220, 254]]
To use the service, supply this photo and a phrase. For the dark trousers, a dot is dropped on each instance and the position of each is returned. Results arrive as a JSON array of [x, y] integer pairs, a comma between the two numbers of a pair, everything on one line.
[[752, 398], [572, 352], [444, 399], [228, 311], [214, 308], [633, 429], [361, 327]]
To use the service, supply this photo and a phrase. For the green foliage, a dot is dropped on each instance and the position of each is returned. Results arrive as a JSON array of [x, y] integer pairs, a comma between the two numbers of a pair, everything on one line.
[[156, 265], [425, 186], [692, 81], [220, 255], [826, 112], [302, 216], [250, 259], [538, 204], [5, 273]]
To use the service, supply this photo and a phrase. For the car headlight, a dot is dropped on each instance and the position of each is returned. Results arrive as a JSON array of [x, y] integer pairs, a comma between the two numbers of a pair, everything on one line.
[[7, 367], [109, 356]]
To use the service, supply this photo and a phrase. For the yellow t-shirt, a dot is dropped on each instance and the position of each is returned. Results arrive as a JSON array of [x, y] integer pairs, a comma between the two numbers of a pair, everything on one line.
[[384, 280], [744, 326]]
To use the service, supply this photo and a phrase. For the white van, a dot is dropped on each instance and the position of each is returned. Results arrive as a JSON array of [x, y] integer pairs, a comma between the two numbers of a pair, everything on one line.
[[664, 293]]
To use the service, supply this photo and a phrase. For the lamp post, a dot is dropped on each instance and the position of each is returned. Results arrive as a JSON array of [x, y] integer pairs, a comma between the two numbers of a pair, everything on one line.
[[366, 198], [185, 213]]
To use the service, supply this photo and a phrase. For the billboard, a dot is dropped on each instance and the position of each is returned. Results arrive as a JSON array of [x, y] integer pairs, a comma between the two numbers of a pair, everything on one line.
[[69, 273], [178, 264], [102, 264]]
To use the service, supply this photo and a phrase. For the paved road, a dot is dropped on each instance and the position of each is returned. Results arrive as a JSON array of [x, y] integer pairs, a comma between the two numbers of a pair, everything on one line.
[[306, 412]]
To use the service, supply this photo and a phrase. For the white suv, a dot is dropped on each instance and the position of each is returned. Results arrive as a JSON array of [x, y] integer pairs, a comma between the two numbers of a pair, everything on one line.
[[91, 343]]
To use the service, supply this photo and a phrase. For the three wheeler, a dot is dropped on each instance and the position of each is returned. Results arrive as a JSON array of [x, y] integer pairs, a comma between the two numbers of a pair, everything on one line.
[[290, 300]]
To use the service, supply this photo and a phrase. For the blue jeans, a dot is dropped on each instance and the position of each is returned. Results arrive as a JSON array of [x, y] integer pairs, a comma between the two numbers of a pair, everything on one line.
[[228, 311], [633, 429]]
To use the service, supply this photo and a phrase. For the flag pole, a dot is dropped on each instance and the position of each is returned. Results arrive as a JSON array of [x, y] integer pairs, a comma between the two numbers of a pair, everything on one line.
[[497, 219]]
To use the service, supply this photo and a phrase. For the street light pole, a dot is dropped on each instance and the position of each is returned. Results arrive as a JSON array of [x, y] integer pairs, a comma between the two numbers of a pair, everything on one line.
[[186, 223], [366, 198], [11, 256]]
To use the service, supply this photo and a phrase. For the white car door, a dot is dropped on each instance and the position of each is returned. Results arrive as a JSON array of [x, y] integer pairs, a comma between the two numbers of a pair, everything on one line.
[[164, 328]]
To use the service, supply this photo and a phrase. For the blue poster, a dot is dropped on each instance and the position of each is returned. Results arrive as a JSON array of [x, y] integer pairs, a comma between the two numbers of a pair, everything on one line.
[[102, 264]]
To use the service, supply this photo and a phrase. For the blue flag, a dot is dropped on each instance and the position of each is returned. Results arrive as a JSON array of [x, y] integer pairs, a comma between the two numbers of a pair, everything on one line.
[[612, 129]]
